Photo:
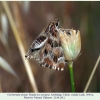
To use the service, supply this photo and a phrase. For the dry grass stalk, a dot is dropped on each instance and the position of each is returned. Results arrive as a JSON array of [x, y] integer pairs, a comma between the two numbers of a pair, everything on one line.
[[20, 46], [92, 74], [7, 67], [0, 85]]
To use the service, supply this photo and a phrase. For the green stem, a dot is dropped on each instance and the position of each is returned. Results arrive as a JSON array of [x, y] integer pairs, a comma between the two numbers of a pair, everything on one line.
[[70, 64]]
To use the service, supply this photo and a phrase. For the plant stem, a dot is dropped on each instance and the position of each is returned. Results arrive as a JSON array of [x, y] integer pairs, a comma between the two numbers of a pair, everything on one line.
[[92, 74], [70, 64]]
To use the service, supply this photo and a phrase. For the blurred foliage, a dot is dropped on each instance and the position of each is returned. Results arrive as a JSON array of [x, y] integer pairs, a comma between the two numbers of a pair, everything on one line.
[[83, 16]]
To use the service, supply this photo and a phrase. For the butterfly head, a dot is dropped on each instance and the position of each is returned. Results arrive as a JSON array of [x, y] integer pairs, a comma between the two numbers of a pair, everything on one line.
[[53, 26], [55, 23]]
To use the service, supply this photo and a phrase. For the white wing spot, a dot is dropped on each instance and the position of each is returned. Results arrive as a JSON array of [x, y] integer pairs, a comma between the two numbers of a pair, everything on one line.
[[62, 69]]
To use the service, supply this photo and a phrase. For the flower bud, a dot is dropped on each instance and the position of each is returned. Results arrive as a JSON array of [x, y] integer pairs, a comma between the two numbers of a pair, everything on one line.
[[70, 42]]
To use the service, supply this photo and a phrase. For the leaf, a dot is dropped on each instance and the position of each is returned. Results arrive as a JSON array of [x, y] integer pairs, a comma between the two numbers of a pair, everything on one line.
[[6, 66]]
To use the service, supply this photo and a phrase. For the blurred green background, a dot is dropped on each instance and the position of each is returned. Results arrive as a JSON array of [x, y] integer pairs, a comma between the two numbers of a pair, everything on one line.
[[83, 16]]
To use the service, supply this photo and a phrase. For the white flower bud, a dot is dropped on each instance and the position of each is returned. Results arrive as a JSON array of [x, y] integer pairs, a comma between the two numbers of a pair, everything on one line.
[[70, 42]]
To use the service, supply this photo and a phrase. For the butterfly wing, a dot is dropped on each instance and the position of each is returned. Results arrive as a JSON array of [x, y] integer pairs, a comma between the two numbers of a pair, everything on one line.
[[36, 47], [46, 48], [53, 53]]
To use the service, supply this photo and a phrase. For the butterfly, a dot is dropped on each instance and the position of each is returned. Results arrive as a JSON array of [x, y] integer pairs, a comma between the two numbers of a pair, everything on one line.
[[46, 48]]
